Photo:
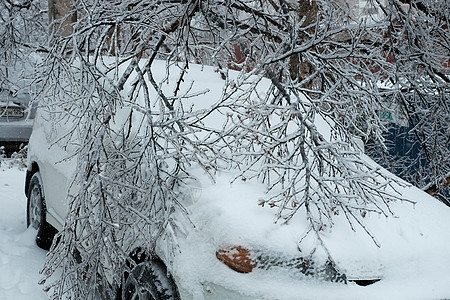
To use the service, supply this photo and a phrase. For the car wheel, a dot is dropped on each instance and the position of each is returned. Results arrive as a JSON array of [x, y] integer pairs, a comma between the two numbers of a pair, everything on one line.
[[149, 280], [36, 213]]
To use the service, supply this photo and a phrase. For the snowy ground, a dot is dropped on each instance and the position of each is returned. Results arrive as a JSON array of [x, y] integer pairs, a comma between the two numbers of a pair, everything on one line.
[[20, 258]]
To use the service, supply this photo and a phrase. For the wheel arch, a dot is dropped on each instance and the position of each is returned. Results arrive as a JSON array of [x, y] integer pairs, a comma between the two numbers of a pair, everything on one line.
[[140, 256], [45, 231], [29, 174]]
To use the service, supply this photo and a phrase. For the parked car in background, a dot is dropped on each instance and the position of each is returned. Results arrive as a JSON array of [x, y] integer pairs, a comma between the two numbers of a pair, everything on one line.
[[16, 112], [16, 120]]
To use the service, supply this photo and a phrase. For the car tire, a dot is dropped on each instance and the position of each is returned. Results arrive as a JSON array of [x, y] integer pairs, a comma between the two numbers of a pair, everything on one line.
[[36, 213], [149, 280]]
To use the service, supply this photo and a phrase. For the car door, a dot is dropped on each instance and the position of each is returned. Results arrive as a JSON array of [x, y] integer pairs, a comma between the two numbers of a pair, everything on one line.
[[52, 148]]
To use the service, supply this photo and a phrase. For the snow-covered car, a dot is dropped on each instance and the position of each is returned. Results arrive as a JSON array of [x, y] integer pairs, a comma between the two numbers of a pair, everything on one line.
[[236, 250]]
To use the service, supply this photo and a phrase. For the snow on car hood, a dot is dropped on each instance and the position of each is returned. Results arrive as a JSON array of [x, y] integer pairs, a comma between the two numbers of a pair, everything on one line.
[[412, 242]]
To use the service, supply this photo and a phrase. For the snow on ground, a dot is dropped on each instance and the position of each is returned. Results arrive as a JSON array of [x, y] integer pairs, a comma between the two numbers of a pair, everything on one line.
[[20, 258]]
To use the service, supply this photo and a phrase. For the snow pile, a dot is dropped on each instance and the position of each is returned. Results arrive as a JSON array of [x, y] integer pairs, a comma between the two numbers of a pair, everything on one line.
[[20, 258]]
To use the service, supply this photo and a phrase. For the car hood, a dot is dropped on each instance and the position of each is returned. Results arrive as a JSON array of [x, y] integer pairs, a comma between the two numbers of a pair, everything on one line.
[[226, 212]]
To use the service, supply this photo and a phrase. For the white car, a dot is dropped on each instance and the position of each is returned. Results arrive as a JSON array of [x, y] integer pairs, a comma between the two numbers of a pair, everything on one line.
[[235, 250]]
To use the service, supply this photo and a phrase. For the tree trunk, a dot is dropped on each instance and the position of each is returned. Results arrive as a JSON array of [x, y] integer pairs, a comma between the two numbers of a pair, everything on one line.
[[61, 17], [300, 68]]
